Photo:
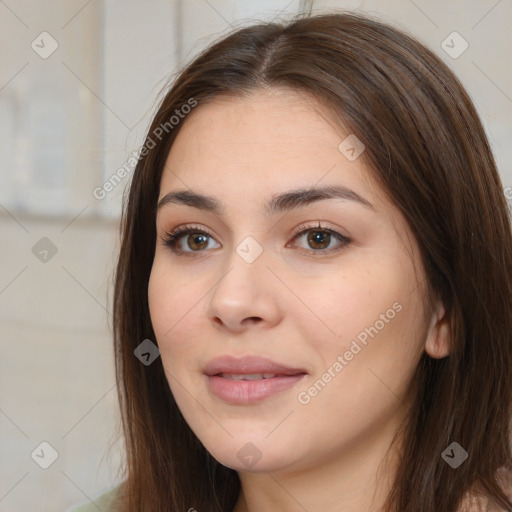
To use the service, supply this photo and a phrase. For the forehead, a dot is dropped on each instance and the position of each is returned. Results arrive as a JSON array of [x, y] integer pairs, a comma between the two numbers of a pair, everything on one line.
[[255, 118], [257, 145]]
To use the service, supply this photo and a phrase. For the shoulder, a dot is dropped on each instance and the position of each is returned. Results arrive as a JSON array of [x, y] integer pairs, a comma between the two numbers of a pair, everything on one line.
[[104, 501]]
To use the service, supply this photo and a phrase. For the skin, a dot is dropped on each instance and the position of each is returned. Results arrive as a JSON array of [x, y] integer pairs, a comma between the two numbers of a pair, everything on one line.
[[290, 305]]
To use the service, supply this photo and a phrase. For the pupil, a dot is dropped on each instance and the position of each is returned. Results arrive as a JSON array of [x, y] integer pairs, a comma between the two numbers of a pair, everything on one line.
[[195, 244], [319, 237]]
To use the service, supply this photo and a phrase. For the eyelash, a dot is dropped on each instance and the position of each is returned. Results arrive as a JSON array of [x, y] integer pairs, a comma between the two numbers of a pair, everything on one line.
[[171, 239]]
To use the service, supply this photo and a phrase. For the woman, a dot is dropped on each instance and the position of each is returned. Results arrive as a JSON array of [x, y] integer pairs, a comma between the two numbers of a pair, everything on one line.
[[320, 247]]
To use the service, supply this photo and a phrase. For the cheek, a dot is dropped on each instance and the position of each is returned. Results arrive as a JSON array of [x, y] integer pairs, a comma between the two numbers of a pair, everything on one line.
[[342, 305], [371, 314], [365, 371], [160, 300], [174, 306]]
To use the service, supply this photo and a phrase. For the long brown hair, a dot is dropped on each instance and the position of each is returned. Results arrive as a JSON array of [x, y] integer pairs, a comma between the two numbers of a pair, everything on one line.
[[427, 148]]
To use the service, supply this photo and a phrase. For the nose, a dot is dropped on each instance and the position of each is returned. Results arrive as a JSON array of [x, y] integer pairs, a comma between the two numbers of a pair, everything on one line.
[[245, 296]]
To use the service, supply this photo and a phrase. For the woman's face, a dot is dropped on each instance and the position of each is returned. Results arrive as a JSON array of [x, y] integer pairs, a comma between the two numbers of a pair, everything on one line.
[[322, 286]]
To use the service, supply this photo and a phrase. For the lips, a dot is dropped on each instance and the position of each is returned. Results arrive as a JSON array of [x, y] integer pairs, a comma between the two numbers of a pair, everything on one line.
[[249, 366], [250, 379]]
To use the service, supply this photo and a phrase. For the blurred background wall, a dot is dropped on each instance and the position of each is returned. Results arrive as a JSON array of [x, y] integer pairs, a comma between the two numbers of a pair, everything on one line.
[[78, 84]]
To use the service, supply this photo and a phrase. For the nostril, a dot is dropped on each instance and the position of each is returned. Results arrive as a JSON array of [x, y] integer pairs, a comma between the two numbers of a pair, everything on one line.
[[252, 320]]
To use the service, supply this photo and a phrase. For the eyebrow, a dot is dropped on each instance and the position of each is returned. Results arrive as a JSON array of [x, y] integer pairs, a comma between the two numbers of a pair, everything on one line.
[[278, 203]]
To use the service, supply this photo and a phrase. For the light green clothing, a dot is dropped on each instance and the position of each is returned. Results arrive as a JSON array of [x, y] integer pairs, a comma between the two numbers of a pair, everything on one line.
[[104, 502]]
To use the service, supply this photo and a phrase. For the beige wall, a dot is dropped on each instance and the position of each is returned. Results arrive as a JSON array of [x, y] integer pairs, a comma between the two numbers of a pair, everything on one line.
[[67, 122]]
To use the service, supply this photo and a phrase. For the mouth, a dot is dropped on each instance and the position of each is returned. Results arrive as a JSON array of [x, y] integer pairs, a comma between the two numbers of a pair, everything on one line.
[[249, 376], [249, 379]]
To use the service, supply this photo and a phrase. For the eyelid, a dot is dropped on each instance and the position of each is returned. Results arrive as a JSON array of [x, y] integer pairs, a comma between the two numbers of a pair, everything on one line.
[[172, 237], [305, 226], [302, 229]]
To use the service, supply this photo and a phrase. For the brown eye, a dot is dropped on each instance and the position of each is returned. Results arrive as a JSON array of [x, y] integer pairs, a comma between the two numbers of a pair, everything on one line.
[[319, 239], [196, 241], [187, 240]]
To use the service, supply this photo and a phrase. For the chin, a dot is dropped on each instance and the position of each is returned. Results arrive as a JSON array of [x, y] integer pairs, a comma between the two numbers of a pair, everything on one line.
[[248, 456], [261, 466]]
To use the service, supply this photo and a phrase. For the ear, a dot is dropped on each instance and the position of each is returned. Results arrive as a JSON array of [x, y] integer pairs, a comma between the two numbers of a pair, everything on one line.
[[438, 340]]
